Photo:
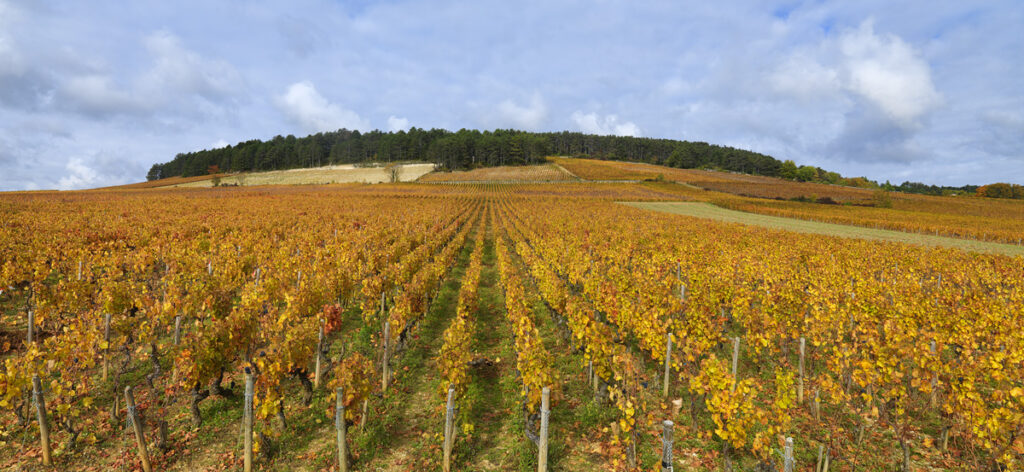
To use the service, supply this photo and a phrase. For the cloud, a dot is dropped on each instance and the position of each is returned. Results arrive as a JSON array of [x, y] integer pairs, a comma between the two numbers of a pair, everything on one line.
[[177, 78], [867, 96], [592, 123], [870, 138], [11, 61], [397, 124], [889, 73], [307, 108], [529, 117], [177, 69], [882, 70], [96, 94], [920, 90], [79, 175], [805, 78], [98, 169], [302, 36]]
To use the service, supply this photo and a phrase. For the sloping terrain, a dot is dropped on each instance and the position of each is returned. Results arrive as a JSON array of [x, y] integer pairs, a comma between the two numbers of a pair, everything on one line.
[[706, 210], [538, 173]]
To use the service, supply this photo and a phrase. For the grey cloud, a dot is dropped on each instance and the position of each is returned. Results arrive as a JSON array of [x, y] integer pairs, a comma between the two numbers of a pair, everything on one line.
[[870, 137], [175, 79], [302, 36], [1002, 133]]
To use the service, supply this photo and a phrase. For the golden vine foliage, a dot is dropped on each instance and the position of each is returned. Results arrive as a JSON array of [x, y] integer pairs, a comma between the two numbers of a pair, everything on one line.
[[251, 276], [353, 375]]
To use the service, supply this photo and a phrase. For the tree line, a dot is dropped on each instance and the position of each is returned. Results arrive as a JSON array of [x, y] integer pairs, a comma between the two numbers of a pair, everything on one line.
[[463, 149], [925, 189], [467, 149], [1002, 190]]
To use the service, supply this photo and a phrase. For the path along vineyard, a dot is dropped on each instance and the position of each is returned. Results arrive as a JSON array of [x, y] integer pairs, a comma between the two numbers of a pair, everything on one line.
[[869, 355]]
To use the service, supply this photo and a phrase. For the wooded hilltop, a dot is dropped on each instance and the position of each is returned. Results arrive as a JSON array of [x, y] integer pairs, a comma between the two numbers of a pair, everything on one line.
[[465, 149]]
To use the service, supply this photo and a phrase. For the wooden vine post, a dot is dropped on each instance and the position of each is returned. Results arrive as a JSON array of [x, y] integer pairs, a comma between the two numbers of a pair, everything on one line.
[[933, 400], [31, 323], [44, 426], [788, 464], [542, 445], [668, 364], [362, 419], [133, 419], [319, 351], [735, 361], [823, 459], [666, 446], [247, 420], [339, 424], [385, 367], [106, 350], [816, 405], [449, 429], [800, 386]]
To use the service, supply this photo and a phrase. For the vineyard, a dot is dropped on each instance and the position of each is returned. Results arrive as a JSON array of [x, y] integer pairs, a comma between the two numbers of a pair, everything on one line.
[[493, 327], [537, 173], [969, 218]]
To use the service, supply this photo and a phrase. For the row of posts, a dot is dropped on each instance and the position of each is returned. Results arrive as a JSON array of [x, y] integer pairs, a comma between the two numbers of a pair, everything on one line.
[[339, 421], [44, 426], [449, 427], [788, 461]]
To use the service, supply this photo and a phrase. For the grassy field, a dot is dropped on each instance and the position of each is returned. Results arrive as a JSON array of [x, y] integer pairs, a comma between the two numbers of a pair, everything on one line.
[[706, 210]]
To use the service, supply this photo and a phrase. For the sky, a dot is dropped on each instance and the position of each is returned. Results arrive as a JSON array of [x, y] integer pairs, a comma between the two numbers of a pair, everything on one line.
[[94, 93]]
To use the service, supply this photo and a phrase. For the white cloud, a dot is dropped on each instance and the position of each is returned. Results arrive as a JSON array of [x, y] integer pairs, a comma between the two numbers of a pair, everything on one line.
[[593, 123], [888, 72], [178, 69], [525, 117], [881, 69], [305, 106], [397, 124], [803, 77], [220, 143], [80, 175]]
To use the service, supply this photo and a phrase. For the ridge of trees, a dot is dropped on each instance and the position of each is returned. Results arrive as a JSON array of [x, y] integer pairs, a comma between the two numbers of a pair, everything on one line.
[[461, 150], [466, 149]]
